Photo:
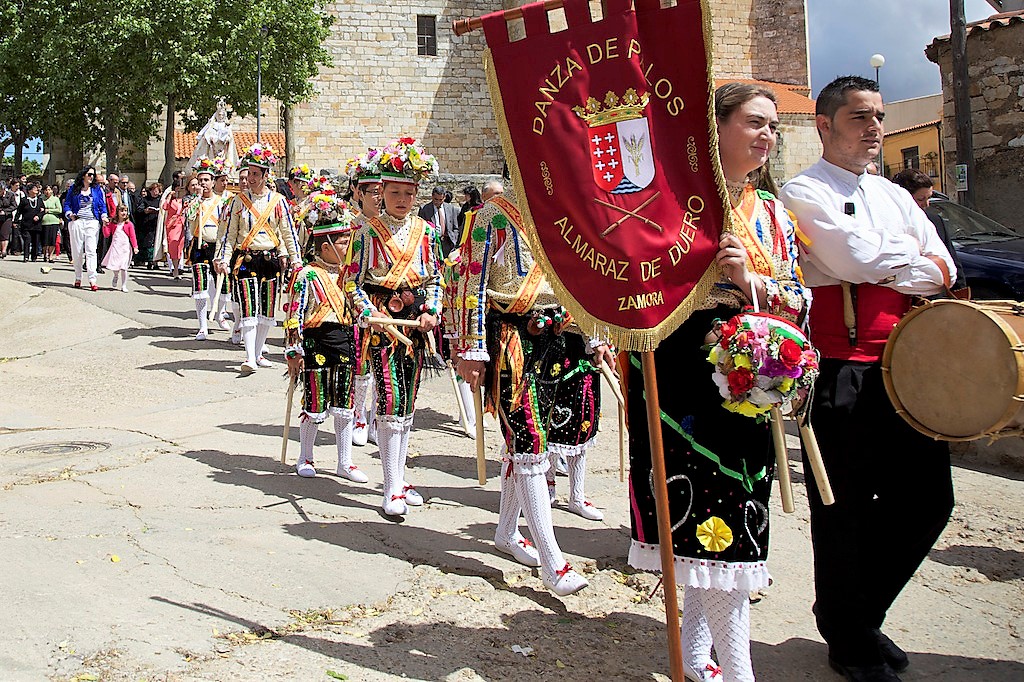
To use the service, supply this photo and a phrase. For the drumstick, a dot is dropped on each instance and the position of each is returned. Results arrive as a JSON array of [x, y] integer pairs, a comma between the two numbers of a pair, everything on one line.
[[782, 461], [481, 462], [817, 465]]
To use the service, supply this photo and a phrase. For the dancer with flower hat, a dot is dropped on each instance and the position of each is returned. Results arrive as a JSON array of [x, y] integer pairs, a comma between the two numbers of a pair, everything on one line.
[[321, 339], [203, 223], [256, 229], [221, 171], [396, 274], [366, 195]]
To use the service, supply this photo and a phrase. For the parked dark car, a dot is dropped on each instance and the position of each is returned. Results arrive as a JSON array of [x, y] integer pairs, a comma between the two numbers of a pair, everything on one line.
[[992, 254]]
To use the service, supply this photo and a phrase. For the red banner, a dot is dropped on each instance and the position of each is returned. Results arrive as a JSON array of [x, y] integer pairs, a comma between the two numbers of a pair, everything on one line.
[[609, 130]]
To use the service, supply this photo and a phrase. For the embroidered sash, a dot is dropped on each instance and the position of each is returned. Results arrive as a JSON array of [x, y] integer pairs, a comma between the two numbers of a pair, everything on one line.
[[527, 293], [261, 221], [759, 259], [334, 300], [401, 259], [206, 216]]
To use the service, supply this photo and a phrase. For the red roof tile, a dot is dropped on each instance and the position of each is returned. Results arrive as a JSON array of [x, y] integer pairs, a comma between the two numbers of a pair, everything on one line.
[[791, 98], [919, 126], [994, 21], [185, 143]]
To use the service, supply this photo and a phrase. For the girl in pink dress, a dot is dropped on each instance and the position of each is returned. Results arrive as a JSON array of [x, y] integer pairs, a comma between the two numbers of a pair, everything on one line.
[[123, 246], [174, 228]]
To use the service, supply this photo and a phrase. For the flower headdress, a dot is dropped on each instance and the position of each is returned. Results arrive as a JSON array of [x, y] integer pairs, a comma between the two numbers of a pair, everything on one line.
[[301, 173], [404, 161], [326, 213], [220, 167], [320, 183], [204, 164], [761, 362], [366, 168], [260, 154]]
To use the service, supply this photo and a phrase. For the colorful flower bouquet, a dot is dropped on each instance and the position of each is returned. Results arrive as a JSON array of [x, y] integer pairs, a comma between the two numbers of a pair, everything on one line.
[[325, 208], [403, 160], [204, 164], [365, 168], [262, 155], [761, 362]]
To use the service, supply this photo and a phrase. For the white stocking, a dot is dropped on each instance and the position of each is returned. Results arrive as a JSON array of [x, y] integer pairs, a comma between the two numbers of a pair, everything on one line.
[[308, 426], [363, 382], [466, 396], [404, 456], [532, 491], [262, 332], [343, 435], [577, 479], [222, 305], [389, 438], [695, 634], [509, 507], [728, 616]]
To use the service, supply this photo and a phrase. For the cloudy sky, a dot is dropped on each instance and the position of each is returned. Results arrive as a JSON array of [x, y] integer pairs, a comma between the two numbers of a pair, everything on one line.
[[845, 33]]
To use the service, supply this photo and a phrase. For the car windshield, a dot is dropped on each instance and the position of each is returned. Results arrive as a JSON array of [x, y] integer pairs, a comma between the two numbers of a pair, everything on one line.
[[968, 225]]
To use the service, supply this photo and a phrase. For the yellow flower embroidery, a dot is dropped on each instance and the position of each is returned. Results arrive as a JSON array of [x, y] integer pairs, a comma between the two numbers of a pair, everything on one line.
[[291, 323], [319, 359], [585, 426], [350, 287], [714, 534], [472, 302], [556, 370]]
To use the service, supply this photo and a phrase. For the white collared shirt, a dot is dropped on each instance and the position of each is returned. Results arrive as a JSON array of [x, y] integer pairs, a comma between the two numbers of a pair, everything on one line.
[[885, 241]]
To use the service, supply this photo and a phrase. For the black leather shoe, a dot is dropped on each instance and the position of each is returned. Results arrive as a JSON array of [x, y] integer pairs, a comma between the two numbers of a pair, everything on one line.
[[865, 673], [892, 654]]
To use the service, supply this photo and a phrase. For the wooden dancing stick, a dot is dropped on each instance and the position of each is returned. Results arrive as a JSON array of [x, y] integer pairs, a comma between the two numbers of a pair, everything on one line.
[[392, 322], [211, 316], [392, 331], [622, 443], [481, 461], [668, 567], [782, 461], [458, 399], [463, 26], [817, 465], [613, 383], [287, 418]]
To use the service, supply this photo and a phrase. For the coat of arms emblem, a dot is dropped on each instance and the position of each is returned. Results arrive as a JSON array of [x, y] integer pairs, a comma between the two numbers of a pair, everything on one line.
[[620, 141]]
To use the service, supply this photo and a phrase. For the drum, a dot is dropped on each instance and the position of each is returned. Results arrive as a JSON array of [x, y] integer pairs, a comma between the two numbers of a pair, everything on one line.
[[954, 370]]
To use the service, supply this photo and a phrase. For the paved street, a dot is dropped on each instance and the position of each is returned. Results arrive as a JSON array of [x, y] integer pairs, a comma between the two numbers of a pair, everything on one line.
[[149, 532]]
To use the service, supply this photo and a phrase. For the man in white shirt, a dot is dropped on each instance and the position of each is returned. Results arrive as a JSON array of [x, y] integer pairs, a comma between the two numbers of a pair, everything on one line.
[[865, 249], [445, 217]]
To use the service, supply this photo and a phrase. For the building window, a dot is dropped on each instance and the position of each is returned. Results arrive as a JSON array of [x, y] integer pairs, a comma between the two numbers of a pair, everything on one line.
[[426, 35], [911, 157]]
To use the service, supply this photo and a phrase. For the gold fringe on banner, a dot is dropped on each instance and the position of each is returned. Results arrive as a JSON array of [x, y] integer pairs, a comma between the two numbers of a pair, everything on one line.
[[639, 340]]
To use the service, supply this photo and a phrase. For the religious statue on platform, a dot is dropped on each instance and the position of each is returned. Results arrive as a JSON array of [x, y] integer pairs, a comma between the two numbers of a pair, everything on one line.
[[216, 139]]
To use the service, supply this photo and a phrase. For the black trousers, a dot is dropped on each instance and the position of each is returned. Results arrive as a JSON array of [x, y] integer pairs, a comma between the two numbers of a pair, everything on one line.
[[894, 494], [32, 246]]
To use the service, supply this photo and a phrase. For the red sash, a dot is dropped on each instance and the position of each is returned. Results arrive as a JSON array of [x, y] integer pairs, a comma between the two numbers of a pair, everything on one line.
[[879, 309]]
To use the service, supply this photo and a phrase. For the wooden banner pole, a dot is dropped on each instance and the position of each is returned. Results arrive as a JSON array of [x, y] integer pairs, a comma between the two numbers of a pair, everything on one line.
[[668, 567], [463, 26], [292, 381]]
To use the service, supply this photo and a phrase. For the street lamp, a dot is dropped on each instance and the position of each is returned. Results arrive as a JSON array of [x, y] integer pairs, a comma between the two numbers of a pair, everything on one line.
[[264, 30], [877, 62]]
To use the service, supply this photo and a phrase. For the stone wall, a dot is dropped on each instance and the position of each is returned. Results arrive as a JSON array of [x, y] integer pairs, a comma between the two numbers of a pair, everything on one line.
[[996, 74], [780, 42], [799, 146]]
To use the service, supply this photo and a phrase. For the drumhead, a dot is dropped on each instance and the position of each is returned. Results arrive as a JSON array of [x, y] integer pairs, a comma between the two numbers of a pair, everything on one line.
[[951, 367]]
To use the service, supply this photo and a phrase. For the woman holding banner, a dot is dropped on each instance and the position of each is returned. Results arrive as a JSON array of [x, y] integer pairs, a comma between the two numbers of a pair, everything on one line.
[[719, 463]]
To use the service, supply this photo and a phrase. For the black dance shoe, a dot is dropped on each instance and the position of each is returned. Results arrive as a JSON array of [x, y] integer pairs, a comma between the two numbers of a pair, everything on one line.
[[892, 654], [865, 673]]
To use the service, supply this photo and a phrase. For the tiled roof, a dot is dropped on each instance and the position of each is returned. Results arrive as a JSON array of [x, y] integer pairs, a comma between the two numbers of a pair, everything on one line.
[[994, 21], [919, 126], [791, 98], [185, 143]]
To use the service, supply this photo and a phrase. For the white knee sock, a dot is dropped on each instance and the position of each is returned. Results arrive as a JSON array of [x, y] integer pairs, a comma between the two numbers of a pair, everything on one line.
[[222, 305], [308, 426], [695, 634], [728, 616], [124, 280], [389, 438], [249, 326], [532, 491], [404, 451], [201, 304], [343, 435], [466, 396]]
